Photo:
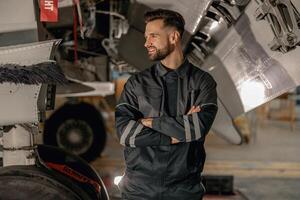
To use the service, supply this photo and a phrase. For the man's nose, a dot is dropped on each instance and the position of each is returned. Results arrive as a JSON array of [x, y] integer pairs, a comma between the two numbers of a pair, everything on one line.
[[147, 43]]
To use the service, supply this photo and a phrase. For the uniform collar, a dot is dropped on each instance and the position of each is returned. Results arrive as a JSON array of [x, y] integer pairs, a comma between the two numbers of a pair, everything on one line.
[[181, 70]]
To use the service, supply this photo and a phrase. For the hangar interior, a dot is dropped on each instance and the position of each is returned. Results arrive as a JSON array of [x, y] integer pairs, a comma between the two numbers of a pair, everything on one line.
[[63, 67]]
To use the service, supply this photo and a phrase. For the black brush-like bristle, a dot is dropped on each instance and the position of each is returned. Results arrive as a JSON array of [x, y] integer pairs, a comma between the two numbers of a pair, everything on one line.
[[41, 73]]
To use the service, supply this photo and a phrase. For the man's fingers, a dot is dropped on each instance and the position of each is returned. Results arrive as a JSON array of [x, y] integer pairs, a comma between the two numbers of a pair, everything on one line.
[[194, 109], [191, 110], [174, 140], [147, 122], [197, 109]]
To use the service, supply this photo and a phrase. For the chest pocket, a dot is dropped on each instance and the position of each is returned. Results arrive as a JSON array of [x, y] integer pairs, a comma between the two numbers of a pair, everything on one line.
[[149, 100]]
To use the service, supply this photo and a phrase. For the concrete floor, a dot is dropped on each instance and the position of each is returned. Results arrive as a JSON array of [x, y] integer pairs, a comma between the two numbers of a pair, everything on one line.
[[266, 168]]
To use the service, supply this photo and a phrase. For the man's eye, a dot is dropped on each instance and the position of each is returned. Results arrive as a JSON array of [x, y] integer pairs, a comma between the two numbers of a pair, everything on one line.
[[150, 36], [153, 35]]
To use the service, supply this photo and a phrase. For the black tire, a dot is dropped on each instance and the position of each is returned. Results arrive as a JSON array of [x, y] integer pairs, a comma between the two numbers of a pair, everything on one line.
[[49, 154], [30, 182], [80, 121]]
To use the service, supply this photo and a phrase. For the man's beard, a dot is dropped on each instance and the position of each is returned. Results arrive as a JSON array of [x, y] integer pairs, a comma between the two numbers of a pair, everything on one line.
[[161, 53]]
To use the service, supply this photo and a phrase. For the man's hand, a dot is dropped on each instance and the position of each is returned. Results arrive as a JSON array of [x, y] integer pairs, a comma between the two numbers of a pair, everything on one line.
[[174, 140], [193, 110], [147, 122]]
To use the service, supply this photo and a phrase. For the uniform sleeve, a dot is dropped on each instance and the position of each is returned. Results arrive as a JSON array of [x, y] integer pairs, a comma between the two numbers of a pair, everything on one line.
[[187, 128], [129, 129]]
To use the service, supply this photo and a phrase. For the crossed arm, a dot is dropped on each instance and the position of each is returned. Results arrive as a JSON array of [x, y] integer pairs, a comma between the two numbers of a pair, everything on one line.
[[134, 131], [148, 121]]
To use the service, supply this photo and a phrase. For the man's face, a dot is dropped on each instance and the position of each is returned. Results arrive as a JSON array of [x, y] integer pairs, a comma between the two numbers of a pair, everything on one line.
[[157, 40]]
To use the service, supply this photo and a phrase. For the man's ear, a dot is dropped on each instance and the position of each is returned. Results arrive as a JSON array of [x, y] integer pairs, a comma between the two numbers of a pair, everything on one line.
[[174, 37]]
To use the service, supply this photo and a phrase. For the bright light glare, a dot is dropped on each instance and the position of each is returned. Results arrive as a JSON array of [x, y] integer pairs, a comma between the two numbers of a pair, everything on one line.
[[117, 180], [252, 94], [214, 25]]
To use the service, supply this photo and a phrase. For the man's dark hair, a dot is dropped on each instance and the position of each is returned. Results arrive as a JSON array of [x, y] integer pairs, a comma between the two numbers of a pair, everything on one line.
[[170, 18]]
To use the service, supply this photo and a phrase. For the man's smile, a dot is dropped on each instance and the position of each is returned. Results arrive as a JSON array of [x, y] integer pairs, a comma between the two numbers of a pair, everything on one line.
[[151, 50]]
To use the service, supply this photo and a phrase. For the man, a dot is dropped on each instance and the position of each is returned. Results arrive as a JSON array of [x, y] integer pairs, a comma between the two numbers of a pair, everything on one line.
[[163, 117]]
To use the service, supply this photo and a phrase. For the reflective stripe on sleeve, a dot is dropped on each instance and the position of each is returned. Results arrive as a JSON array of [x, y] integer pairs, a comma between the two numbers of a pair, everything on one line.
[[127, 131], [137, 131], [196, 126], [188, 136]]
